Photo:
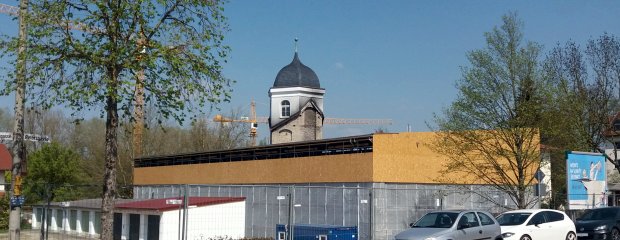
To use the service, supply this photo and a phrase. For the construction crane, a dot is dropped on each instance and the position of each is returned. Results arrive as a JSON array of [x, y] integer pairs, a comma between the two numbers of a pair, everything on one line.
[[254, 121], [9, 10], [14, 11]]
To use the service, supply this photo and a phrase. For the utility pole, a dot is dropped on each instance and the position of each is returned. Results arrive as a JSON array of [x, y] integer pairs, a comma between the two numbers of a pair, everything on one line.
[[289, 226], [18, 148]]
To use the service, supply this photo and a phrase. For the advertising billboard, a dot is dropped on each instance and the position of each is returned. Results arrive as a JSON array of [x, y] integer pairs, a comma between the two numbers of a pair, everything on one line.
[[586, 180]]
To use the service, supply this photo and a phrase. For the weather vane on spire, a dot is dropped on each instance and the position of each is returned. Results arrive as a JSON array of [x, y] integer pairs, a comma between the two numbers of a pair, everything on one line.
[[296, 39]]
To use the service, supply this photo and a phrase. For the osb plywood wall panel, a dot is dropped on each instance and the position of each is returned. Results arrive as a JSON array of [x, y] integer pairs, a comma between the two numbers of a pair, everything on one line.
[[319, 169], [407, 158]]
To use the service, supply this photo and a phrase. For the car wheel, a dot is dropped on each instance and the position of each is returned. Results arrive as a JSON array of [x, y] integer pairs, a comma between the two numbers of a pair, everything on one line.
[[615, 234], [571, 236], [525, 237]]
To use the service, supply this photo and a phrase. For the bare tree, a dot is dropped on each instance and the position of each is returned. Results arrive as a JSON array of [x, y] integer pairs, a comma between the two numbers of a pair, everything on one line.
[[583, 84]]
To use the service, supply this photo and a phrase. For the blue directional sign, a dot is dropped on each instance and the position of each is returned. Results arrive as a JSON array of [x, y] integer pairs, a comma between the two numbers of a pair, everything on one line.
[[17, 201]]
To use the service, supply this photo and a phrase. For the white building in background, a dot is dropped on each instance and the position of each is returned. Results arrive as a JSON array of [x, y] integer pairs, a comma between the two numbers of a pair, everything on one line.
[[207, 218], [612, 150], [544, 177]]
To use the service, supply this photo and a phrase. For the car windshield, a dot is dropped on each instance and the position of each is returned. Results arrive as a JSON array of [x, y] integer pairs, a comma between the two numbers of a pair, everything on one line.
[[437, 220], [512, 219], [599, 214]]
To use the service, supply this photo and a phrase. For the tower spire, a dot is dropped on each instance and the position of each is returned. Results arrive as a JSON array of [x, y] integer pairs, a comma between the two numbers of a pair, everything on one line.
[[296, 39]]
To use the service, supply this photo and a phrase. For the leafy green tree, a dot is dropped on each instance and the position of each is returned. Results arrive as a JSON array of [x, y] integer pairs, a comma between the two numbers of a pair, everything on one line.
[[490, 131], [178, 45], [53, 171], [4, 212]]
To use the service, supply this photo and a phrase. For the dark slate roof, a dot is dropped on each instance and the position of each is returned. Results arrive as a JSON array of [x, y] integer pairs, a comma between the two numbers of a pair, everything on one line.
[[296, 74]]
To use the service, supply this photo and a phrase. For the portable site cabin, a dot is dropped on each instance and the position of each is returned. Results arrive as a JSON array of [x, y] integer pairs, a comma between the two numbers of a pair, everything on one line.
[[317, 232], [151, 219]]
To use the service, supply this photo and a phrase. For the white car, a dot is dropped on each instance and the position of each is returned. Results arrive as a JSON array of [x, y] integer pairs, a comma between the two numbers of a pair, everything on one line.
[[536, 224]]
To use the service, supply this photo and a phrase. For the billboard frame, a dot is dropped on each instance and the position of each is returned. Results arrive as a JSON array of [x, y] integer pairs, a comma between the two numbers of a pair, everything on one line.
[[586, 180]]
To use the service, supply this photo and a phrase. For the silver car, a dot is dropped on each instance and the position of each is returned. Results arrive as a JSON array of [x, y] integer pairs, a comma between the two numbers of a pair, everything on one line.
[[453, 225]]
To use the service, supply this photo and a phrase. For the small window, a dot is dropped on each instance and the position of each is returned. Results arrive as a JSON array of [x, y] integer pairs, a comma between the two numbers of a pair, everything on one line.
[[286, 108], [554, 216], [470, 219], [281, 235], [322, 237], [537, 219], [485, 219], [616, 125]]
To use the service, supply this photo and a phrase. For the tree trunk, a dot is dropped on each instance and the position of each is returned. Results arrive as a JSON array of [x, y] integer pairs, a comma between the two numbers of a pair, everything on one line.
[[18, 149], [111, 157]]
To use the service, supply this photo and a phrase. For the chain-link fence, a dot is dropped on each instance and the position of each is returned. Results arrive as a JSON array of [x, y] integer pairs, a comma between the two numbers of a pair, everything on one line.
[[282, 212]]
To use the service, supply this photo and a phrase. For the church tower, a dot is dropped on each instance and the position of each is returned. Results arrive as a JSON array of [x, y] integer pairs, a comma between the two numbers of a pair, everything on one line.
[[296, 104]]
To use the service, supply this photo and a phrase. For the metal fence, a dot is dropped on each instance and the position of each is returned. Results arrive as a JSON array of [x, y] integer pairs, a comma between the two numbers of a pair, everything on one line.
[[196, 212]]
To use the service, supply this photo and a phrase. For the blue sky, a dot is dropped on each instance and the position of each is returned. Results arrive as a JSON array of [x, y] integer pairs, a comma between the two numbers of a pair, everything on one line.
[[381, 59]]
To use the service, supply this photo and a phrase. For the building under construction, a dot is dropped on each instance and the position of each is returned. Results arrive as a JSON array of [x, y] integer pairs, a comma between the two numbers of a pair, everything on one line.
[[377, 182]]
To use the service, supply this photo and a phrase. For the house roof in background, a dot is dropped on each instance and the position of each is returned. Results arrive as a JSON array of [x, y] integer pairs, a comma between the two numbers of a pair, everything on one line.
[[6, 161]]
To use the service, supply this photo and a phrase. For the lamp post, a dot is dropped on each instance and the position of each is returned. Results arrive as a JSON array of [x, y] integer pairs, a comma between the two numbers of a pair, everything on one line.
[[288, 229]]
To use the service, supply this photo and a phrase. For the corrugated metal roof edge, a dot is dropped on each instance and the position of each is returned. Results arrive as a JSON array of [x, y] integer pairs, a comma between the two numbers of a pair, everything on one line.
[[193, 201], [251, 148]]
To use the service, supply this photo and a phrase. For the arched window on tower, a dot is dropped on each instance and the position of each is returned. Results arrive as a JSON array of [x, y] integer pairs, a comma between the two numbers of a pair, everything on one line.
[[286, 108]]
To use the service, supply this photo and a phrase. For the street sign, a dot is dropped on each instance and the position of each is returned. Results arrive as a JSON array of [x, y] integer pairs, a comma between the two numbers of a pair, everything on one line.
[[540, 175], [17, 201], [8, 136], [37, 138]]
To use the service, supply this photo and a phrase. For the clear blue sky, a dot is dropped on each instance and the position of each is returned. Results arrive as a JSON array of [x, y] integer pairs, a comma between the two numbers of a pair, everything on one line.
[[382, 59]]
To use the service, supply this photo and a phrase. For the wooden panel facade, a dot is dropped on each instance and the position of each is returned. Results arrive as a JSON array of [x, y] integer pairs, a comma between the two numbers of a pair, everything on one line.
[[395, 158], [315, 169]]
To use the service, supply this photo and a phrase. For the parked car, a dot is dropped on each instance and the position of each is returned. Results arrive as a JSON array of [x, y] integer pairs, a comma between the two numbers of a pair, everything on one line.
[[536, 224], [461, 225], [599, 223]]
